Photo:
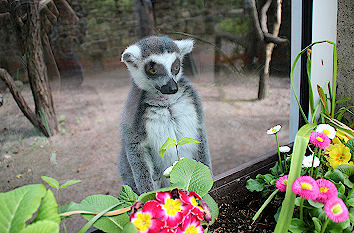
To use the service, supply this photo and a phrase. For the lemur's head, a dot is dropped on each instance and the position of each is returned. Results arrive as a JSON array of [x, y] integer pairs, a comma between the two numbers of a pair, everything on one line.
[[155, 63]]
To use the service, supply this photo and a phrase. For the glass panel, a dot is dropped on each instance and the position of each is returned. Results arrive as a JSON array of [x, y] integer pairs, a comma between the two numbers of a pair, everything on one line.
[[87, 40]]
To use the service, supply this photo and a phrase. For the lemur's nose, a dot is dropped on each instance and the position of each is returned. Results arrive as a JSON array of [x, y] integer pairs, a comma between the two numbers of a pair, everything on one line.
[[170, 87]]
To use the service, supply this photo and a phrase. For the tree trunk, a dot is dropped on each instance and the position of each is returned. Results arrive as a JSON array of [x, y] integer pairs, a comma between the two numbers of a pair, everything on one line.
[[37, 71], [145, 18]]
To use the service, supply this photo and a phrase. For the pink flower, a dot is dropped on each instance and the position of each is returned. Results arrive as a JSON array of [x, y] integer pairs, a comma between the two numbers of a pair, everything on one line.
[[191, 199], [320, 140], [336, 210], [306, 187], [189, 225], [173, 210], [281, 183], [327, 190], [147, 220]]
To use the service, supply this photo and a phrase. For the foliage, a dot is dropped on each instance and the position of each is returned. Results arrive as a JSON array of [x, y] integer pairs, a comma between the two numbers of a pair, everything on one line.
[[19, 205]]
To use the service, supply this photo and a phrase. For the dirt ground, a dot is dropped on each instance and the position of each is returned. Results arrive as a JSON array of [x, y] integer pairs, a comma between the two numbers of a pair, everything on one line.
[[89, 143]]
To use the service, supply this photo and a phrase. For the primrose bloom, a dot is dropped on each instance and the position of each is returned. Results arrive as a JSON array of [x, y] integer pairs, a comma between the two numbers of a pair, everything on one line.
[[274, 130], [148, 220], [282, 183], [320, 140], [173, 210], [327, 129], [336, 210], [191, 200], [338, 154], [327, 190], [284, 149], [191, 224], [307, 161], [306, 187]]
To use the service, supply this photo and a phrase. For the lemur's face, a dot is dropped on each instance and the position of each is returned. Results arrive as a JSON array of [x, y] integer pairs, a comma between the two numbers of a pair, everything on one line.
[[155, 63]]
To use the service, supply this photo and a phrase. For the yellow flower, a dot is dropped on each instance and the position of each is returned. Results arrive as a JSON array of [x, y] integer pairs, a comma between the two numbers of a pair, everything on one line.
[[338, 154]]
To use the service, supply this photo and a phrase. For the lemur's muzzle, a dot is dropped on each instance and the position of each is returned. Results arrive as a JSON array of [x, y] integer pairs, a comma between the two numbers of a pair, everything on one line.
[[170, 87]]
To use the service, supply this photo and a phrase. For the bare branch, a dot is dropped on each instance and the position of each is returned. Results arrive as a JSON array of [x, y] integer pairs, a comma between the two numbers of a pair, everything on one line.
[[4, 16], [264, 11], [6, 77], [269, 38], [257, 26]]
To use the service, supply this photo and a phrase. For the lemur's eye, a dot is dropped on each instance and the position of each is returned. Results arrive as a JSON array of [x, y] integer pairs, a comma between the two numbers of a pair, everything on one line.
[[152, 71], [175, 67]]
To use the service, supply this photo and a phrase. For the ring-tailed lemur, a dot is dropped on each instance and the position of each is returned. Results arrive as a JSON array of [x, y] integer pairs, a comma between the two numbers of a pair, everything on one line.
[[161, 104]]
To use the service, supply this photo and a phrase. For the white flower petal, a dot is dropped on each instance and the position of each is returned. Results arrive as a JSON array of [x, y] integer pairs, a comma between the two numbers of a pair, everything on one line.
[[307, 162], [274, 130], [327, 129], [284, 149], [167, 172]]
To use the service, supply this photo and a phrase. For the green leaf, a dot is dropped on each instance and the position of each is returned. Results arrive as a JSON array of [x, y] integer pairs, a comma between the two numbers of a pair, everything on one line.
[[18, 206], [214, 209], [129, 228], [350, 202], [348, 173], [297, 226], [300, 145], [127, 194], [351, 215], [337, 227], [71, 206], [195, 176], [168, 144], [317, 224], [187, 140], [70, 182], [335, 175], [255, 185], [340, 101], [44, 226], [48, 209], [350, 145], [340, 187], [99, 203], [315, 204], [51, 181]]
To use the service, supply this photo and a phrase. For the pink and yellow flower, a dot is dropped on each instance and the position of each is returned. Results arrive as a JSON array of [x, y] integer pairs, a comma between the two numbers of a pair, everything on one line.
[[191, 199], [191, 224], [281, 183], [173, 210], [306, 187], [148, 219], [320, 140], [327, 190], [336, 210]]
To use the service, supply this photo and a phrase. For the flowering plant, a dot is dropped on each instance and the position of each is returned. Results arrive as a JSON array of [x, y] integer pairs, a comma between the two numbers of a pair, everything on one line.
[[318, 187]]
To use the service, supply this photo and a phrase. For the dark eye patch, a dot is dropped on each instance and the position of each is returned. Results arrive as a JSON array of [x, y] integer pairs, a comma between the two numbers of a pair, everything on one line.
[[153, 69], [176, 65]]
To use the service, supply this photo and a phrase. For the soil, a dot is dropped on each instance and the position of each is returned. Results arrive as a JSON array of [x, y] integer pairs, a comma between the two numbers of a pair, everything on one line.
[[88, 145], [236, 215]]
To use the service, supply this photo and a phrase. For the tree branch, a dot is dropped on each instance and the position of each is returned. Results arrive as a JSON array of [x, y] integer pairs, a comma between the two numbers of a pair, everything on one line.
[[4, 16], [264, 11], [31, 116], [257, 26], [269, 38]]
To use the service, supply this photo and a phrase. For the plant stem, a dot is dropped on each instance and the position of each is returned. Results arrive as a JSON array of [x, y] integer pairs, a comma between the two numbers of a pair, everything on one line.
[[319, 158], [313, 161], [302, 208], [177, 153], [281, 167], [324, 226], [264, 205]]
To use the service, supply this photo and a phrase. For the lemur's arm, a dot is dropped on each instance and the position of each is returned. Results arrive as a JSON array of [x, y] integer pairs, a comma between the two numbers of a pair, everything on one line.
[[203, 148]]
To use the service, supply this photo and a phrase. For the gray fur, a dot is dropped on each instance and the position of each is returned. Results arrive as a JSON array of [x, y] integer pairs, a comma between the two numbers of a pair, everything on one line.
[[150, 117], [157, 45]]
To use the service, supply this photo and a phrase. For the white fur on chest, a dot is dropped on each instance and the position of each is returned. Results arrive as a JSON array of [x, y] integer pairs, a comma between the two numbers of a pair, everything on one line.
[[178, 121]]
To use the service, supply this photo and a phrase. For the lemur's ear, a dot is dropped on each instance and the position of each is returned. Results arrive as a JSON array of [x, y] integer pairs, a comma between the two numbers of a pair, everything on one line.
[[131, 55], [185, 46]]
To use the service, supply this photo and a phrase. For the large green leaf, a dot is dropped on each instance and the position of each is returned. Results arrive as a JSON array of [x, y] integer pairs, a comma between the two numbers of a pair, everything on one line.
[[48, 209], [98, 203], [45, 226], [194, 176], [214, 209], [129, 228], [300, 145], [18, 206], [127, 194]]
